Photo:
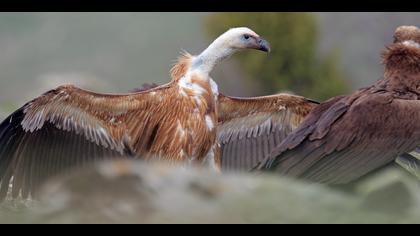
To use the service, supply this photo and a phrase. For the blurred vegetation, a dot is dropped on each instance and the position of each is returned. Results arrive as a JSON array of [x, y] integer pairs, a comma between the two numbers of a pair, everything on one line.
[[294, 64]]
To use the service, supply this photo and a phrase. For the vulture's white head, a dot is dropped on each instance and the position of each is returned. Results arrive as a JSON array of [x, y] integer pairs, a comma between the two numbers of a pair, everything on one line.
[[227, 44], [242, 38]]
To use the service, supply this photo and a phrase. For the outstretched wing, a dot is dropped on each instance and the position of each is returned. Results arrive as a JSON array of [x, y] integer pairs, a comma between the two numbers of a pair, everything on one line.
[[65, 128], [250, 128], [347, 137]]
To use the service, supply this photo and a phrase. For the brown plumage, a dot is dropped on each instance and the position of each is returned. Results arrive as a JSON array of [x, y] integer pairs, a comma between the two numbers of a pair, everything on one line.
[[349, 136], [68, 126]]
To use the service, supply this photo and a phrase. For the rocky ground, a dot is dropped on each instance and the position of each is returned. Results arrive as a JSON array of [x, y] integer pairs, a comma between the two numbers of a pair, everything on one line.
[[135, 192]]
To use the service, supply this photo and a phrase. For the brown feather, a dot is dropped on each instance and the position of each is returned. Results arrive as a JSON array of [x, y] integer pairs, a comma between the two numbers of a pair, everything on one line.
[[181, 66]]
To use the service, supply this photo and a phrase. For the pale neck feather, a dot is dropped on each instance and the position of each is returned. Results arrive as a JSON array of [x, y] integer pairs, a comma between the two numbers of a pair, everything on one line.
[[212, 55]]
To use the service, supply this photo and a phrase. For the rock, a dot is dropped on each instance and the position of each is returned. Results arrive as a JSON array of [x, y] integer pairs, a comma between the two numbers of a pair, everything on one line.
[[137, 192]]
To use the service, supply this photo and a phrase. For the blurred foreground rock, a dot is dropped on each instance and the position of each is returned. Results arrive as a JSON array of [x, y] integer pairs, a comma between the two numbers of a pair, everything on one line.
[[136, 192]]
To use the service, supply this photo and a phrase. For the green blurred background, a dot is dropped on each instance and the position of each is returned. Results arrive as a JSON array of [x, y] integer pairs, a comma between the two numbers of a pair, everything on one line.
[[317, 55]]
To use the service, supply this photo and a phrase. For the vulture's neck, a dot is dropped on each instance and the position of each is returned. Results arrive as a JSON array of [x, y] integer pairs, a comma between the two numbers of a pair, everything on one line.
[[402, 68], [213, 55]]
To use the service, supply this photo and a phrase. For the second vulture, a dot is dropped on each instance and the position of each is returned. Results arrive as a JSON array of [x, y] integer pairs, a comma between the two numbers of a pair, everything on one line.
[[347, 137]]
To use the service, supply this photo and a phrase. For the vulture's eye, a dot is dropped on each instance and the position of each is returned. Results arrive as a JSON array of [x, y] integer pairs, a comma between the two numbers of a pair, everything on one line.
[[246, 36]]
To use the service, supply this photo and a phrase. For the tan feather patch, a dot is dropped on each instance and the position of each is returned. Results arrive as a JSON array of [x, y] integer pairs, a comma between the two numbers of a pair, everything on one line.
[[182, 66]]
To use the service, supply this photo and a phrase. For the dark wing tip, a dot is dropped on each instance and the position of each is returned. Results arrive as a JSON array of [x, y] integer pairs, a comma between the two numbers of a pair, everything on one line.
[[32, 158], [8, 133]]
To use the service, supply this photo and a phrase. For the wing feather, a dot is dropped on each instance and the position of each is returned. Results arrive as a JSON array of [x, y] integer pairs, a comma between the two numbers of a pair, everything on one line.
[[346, 138], [249, 128], [410, 163], [66, 128]]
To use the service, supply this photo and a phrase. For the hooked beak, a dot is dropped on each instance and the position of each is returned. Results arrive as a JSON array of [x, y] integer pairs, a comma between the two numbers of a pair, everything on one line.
[[263, 45]]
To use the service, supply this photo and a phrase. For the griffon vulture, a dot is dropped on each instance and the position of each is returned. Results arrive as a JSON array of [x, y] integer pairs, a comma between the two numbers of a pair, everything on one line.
[[68, 126], [347, 137]]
